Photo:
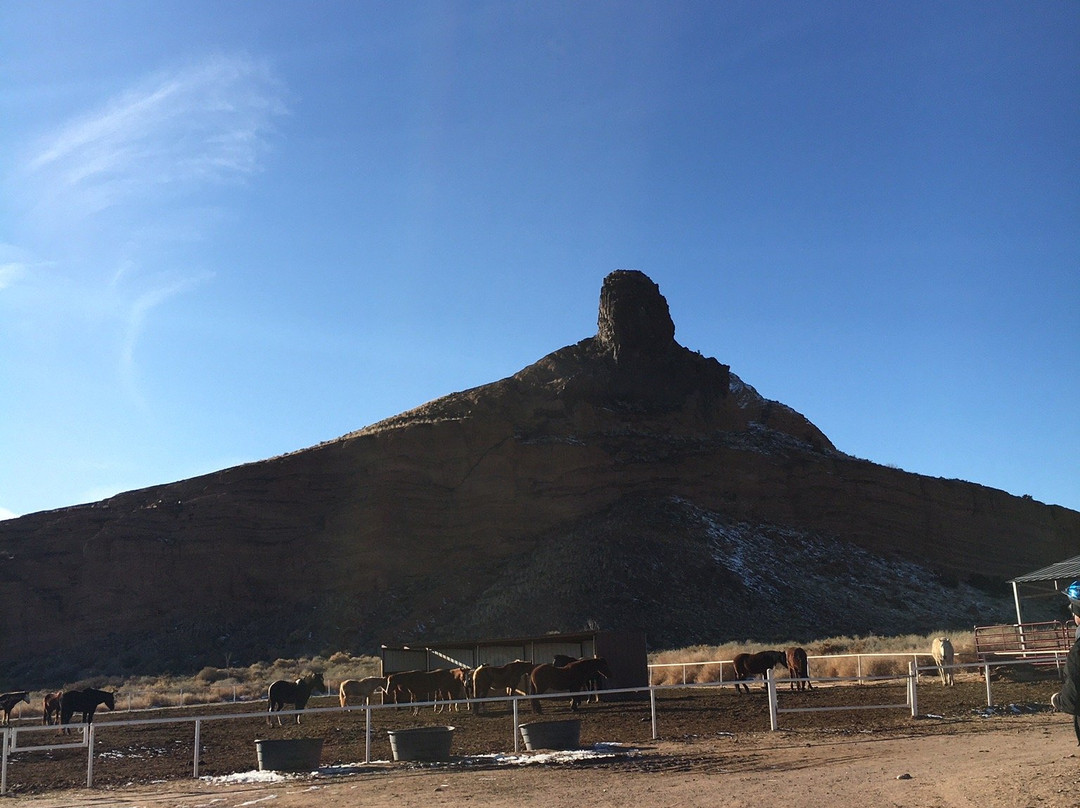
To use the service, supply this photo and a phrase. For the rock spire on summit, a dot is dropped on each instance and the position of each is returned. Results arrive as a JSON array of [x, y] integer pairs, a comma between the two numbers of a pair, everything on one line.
[[634, 320]]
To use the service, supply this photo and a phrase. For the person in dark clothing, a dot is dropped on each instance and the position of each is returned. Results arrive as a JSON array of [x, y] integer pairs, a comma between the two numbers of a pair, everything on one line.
[[1068, 700]]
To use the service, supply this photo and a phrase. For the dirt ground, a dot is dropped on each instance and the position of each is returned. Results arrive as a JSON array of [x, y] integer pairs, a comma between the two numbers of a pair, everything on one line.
[[713, 747]]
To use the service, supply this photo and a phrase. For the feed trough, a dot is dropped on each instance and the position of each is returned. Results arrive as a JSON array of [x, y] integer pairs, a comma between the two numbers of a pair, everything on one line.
[[552, 734], [421, 743], [289, 754]]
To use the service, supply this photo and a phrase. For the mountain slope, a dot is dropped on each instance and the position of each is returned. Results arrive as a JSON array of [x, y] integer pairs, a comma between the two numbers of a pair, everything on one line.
[[621, 481]]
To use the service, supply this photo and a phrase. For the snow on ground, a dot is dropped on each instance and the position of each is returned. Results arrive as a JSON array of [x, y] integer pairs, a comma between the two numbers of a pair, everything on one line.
[[600, 751]]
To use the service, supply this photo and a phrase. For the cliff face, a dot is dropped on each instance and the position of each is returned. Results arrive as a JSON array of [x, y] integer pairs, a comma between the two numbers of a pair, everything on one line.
[[624, 481]]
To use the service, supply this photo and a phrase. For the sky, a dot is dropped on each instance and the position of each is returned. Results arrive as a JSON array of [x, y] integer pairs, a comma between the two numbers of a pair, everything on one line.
[[234, 230]]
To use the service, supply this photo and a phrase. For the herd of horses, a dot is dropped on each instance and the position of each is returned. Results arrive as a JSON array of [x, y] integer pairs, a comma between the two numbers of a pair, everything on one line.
[[61, 706], [520, 677], [562, 674], [747, 666]]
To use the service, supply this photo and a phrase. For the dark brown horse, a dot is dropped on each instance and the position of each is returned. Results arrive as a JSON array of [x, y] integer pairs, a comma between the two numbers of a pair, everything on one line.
[[503, 679], [283, 692], [9, 700], [798, 668], [574, 677], [747, 666], [595, 684], [85, 702], [50, 708]]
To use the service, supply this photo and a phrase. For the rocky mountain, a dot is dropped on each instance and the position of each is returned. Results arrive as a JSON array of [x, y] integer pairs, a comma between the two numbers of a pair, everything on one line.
[[624, 481]]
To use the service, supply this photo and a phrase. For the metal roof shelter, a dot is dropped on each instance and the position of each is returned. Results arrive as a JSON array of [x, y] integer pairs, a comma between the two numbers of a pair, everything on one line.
[[1047, 582]]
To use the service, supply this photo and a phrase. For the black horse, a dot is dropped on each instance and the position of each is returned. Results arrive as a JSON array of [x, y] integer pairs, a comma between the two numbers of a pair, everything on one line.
[[9, 700], [85, 702], [296, 693]]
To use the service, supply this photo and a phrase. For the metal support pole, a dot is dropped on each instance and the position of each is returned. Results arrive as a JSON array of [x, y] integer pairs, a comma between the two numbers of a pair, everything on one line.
[[3, 763], [986, 675], [652, 705], [367, 733], [770, 684], [89, 755], [913, 690], [198, 736], [515, 706]]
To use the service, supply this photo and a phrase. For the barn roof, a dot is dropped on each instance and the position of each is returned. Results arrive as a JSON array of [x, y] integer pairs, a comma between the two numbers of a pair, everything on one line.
[[1068, 570]]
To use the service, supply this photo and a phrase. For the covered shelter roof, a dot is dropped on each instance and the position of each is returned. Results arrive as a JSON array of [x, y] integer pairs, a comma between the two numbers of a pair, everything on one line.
[[1046, 582], [1069, 568]]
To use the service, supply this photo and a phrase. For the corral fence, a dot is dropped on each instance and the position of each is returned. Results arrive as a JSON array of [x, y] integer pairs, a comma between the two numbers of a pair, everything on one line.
[[863, 662], [12, 738]]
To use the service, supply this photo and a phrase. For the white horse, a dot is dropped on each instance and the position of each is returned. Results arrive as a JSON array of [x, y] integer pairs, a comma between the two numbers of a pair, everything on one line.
[[942, 652]]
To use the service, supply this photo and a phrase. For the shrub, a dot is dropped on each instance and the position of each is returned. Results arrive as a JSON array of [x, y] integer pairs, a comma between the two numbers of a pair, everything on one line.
[[209, 675]]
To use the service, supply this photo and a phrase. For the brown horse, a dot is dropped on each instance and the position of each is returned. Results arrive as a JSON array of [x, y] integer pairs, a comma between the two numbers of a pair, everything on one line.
[[798, 668], [9, 700], [296, 693], [747, 666], [501, 678], [573, 677], [50, 708]]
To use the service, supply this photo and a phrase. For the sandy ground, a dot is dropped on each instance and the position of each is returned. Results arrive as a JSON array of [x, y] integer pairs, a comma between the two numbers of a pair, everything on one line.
[[1024, 761]]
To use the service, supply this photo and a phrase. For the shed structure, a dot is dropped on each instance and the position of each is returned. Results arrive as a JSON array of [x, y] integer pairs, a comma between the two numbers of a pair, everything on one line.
[[625, 652], [1046, 582]]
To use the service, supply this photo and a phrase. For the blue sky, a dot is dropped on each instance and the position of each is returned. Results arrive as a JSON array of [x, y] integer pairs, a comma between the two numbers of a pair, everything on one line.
[[233, 230]]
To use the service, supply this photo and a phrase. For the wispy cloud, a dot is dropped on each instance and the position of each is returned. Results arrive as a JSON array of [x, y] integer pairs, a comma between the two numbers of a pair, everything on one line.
[[107, 195], [137, 313], [9, 273], [210, 122]]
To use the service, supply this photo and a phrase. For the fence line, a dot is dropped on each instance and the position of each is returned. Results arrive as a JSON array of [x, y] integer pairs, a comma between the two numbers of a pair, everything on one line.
[[720, 663], [248, 693], [9, 743]]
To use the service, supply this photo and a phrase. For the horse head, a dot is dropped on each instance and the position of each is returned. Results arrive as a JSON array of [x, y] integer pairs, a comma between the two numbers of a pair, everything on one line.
[[109, 700]]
